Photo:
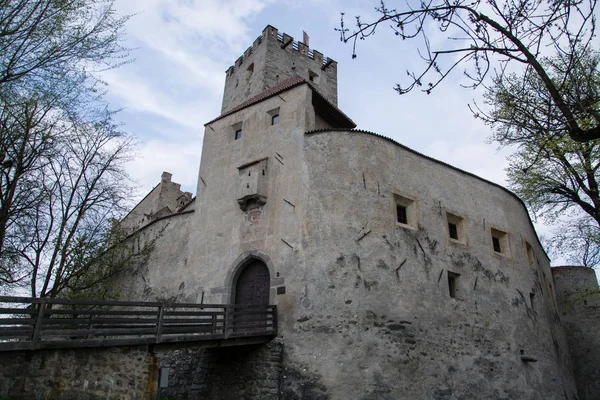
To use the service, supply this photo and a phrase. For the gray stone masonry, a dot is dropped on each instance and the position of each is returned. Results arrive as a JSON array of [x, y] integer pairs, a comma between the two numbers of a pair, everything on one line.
[[579, 303], [266, 63], [165, 199], [117, 373], [251, 372]]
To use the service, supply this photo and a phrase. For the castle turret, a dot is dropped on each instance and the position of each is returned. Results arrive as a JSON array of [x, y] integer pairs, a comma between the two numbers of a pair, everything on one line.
[[579, 302], [272, 58], [165, 199]]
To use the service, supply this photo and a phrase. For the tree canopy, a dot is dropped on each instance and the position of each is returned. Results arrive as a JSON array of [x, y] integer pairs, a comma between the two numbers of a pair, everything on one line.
[[45, 42], [557, 177], [62, 177]]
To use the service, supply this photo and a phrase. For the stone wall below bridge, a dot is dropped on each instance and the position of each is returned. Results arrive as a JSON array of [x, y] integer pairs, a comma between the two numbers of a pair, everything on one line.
[[251, 372], [119, 373]]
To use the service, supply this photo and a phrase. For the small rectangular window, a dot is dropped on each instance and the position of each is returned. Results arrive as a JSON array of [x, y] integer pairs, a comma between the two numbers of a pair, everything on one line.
[[236, 129], [273, 116], [452, 284], [406, 211], [163, 377], [530, 253], [457, 228], [500, 243], [401, 214], [452, 230], [496, 243]]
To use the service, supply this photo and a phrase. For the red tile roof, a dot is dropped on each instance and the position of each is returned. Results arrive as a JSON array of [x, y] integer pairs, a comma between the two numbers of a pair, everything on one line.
[[280, 87]]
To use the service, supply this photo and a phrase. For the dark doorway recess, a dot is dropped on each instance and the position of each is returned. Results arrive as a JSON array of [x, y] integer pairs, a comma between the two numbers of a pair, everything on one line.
[[252, 286]]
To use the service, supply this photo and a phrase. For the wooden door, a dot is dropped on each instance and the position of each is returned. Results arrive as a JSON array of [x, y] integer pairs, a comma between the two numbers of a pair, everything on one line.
[[252, 287]]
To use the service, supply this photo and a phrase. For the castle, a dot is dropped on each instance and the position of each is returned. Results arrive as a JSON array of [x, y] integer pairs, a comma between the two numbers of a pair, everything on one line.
[[395, 276]]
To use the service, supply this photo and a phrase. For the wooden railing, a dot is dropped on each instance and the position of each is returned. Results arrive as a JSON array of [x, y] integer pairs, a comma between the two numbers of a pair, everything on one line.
[[41, 323]]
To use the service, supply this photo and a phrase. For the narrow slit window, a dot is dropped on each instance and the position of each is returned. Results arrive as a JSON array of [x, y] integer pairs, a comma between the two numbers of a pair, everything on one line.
[[238, 134], [496, 243], [275, 119], [453, 230], [452, 284], [530, 253], [401, 214]]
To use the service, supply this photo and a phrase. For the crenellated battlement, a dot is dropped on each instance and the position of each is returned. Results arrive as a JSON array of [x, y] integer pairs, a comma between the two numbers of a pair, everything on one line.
[[274, 57], [286, 41]]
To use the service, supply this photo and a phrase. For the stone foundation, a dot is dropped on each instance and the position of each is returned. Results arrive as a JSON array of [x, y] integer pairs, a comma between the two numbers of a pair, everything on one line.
[[119, 373], [242, 372]]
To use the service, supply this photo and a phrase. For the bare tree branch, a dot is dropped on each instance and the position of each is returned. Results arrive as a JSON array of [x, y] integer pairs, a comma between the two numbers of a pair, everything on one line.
[[513, 30]]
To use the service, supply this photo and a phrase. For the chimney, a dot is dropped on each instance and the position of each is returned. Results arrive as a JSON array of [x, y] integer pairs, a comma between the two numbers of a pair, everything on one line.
[[166, 177]]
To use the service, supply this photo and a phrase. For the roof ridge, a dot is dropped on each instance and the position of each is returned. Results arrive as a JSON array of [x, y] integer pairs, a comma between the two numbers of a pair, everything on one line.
[[273, 90], [280, 87]]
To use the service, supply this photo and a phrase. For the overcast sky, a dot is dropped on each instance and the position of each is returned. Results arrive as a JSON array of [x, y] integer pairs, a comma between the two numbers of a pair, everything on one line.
[[183, 48]]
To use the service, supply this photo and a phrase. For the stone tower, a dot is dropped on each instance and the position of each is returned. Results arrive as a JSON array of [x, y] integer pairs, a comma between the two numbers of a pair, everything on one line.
[[579, 302], [272, 58]]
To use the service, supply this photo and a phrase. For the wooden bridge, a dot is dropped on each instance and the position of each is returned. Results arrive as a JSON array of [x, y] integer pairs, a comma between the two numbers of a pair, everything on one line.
[[43, 323]]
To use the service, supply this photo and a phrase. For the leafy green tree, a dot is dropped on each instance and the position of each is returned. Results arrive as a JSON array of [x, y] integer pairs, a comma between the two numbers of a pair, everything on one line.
[[488, 36], [557, 177]]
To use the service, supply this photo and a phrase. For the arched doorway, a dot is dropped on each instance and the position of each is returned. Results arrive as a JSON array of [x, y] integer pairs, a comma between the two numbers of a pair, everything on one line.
[[253, 284]]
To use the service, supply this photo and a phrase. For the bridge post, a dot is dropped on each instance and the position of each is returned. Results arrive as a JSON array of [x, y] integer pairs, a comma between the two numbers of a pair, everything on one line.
[[38, 324], [159, 322], [226, 322]]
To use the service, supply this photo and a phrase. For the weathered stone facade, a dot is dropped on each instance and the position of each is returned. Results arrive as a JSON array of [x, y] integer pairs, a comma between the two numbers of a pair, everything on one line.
[[579, 303], [118, 373], [272, 58], [164, 200], [395, 275], [227, 373]]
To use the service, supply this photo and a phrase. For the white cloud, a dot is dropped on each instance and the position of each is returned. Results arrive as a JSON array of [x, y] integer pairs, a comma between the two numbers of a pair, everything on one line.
[[138, 96], [156, 156]]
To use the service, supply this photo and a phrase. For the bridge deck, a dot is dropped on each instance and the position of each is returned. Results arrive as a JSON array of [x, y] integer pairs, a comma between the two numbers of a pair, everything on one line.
[[42, 323]]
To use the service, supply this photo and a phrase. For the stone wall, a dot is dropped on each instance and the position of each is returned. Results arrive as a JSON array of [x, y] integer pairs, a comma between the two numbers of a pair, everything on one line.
[[119, 373], [266, 63], [167, 263], [579, 303], [163, 200], [228, 373], [370, 315]]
